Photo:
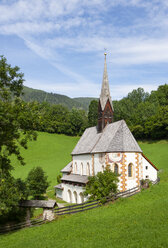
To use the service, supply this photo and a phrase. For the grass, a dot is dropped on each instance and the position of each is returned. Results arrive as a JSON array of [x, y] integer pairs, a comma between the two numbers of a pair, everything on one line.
[[136, 222], [50, 151]]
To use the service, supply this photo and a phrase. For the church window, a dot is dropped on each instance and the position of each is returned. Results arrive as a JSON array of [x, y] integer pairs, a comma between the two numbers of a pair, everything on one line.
[[130, 167], [102, 167], [88, 169], [75, 197], [116, 168], [69, 196], [101, 158], [146, 167], [81, 198], [81, 168]]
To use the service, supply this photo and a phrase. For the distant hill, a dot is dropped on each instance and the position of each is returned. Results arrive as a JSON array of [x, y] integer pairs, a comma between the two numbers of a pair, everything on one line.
[[52, 98], [85, 101]]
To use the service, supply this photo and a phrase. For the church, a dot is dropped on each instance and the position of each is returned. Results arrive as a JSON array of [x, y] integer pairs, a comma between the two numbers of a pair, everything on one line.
[[109, 143]]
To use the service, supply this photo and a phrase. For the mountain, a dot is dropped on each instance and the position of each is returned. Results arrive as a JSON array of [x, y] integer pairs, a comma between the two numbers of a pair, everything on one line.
[[52, 98]]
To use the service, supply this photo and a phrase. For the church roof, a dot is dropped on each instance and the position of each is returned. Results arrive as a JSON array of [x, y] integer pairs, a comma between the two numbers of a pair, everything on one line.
[[115, 137], [67, 168], [105, 91], [75, 178]]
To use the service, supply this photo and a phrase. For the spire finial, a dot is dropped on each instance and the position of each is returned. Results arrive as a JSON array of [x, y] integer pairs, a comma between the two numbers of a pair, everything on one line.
[[105, 49]]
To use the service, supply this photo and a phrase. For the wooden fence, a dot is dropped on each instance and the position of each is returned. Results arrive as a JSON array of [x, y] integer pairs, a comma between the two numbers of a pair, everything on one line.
[[72, 209], [13, 227]]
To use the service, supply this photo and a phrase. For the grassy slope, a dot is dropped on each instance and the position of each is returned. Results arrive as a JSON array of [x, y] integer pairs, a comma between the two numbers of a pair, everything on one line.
[[138, 221], [50, 151]]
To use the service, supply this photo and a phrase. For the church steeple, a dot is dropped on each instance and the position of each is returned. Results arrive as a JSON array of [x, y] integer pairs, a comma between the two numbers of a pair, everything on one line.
[[105, 108]]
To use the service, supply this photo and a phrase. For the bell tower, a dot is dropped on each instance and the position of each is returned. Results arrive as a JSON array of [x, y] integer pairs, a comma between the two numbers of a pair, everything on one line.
[[105, 107]]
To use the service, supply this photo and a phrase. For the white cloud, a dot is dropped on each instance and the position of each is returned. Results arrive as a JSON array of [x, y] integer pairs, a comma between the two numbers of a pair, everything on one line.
[[82, 27], [88, 89], [69, 89]]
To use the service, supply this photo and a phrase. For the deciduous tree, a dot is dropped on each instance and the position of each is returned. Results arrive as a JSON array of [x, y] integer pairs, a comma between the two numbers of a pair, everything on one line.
[[12, 135], [103, 185], [37, 183]]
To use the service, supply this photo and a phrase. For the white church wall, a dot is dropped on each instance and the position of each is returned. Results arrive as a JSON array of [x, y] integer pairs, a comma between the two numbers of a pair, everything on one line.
[[99, 164], [73, 193], [149, 172], [131, 181], [102, 159], [84, 161], [59, 193]]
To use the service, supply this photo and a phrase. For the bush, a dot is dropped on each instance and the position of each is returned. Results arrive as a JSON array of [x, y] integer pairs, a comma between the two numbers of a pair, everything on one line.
[[103, 185], [37, 183]]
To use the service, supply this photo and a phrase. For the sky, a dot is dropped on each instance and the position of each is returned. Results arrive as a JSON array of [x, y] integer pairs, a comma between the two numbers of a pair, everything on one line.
[[59, 44]]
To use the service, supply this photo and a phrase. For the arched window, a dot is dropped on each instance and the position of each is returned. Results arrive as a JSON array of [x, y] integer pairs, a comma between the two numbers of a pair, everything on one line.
[[130, 168], [75, 171], [81, 168], [81, 197], [88, 169], [116, 168], [75, 197], [69, 196], [102, 168]]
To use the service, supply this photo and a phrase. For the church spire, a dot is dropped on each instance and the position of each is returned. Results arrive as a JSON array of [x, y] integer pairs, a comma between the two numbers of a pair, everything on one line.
[[105, 109], [105, 91]]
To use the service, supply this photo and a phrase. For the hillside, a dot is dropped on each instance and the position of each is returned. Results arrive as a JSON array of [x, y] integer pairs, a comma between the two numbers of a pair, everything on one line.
[[139, 221], [52, 98]]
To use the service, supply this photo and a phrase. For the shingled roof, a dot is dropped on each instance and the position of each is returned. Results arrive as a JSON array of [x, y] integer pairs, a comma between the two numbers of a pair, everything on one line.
[[75, 178], [67, 168], [38, 203], [115, 137]]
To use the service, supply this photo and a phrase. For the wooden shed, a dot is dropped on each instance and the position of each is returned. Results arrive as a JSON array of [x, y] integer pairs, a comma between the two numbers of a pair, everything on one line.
[[48, 207]]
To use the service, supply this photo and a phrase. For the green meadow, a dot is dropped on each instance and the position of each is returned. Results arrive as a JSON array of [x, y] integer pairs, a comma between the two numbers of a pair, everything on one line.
[[50, 151], [135, 222]]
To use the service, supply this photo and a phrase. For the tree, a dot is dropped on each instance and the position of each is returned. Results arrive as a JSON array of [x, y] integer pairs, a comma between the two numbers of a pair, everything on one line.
[[138, 96], [160, 95], [93, 113], [37, 182], [78, 121], [102, 185], [12, 135]]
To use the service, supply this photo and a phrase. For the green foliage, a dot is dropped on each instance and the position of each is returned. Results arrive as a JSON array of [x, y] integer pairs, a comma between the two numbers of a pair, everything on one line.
[[143, 113], [59, 178], [31, 95], [137, 96], [52, 118], [78, 121], [12, 135], [50, 151], [103, 185], [93, 113], [138, 221], [37, 183]]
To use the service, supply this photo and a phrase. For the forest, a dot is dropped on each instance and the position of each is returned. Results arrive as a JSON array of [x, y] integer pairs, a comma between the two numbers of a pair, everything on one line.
[[145, 114]]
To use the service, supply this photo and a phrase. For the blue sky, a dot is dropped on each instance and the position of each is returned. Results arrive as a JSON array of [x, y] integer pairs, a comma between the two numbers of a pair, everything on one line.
[[59, 44]]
